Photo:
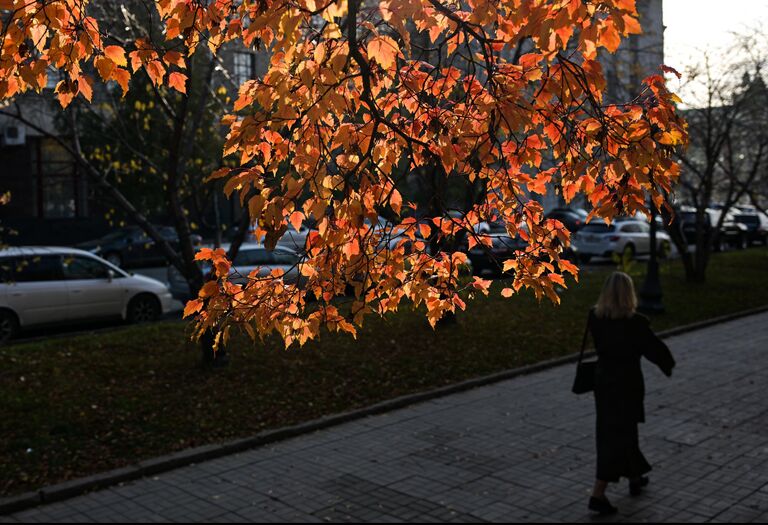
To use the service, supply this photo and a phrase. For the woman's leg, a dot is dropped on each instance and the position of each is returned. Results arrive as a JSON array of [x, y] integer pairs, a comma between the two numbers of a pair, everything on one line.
[[599, 502], [599, 489]]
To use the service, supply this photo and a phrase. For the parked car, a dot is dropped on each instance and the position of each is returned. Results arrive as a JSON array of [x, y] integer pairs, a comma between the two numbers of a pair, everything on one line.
[[756, 225], [45, 285], [572, 218], [132, 247], [628, 238], [490, 260], [249, 257], [640, 216], [745, 208], [732, 233]]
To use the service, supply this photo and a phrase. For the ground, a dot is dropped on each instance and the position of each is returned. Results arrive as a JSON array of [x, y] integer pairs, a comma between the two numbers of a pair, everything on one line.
[[77, 406], [519, 450]]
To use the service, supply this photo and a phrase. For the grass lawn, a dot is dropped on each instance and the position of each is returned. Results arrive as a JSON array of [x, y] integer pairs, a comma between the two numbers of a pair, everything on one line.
[[76, 406]]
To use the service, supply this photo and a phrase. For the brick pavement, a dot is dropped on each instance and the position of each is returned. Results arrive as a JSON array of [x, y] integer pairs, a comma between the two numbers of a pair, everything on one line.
[[520, 450]]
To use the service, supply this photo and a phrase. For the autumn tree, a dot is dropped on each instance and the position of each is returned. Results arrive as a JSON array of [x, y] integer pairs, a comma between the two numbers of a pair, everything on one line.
[[347, 109], [726, 161]]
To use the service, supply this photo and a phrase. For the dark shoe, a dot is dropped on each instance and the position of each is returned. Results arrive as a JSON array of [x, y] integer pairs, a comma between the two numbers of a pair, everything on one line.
[[636, 486], [602, 506]]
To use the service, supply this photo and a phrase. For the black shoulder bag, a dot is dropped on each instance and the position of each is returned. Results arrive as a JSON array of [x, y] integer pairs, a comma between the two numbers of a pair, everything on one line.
[[585, 371]]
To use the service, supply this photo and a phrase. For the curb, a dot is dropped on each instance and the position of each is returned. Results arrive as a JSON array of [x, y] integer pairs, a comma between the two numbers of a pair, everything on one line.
[[149, 467]]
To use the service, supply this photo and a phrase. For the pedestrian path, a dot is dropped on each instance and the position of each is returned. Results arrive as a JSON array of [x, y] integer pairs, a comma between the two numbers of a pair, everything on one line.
[[520, 450]]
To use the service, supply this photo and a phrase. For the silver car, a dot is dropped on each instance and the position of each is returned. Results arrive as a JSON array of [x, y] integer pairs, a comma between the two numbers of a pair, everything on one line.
[[249, 257], [627, 238], [45, 285]]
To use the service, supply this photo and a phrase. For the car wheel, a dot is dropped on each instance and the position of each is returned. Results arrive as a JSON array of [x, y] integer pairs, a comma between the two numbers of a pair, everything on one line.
[[114, 258], [9, 326], [629, 252], [143, 309]]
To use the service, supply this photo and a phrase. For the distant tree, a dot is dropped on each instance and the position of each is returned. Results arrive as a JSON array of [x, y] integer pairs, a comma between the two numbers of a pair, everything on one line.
[[727, 157]]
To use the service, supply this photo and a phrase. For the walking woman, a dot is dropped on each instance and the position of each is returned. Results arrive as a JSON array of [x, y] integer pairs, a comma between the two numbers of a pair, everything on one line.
[[621, 337]]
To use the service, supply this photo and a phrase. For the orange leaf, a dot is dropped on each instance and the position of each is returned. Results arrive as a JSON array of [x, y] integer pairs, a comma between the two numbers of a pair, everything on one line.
[[122, 77], [178, 81], [383, 50], [174, 58], [210, 288], [295, 220], [396, 201], [192, 307], [156, 71], [105, 66], [557, 278], [610, 37], [116, 54], [481, 284], [85, 87], [352, 248], [64, 93]]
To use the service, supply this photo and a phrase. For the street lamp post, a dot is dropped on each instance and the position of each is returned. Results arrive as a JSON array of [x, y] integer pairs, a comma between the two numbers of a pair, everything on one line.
[[650, 292]]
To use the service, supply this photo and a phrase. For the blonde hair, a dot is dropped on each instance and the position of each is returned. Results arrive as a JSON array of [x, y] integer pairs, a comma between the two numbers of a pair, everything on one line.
[[618, 299]]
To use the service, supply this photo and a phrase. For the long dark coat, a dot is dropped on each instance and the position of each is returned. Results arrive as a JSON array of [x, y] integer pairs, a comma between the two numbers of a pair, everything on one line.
[[620, 391]]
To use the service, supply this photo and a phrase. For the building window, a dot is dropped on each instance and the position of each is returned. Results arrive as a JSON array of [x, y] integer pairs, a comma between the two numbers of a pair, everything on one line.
[[244, 67], [59, 189]]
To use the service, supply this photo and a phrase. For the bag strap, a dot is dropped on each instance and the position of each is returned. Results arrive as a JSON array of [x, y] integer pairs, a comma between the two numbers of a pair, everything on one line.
[[584, 341]]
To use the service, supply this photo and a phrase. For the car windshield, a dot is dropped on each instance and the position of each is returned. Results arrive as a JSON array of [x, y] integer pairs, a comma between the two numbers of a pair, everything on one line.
[[598, 228]]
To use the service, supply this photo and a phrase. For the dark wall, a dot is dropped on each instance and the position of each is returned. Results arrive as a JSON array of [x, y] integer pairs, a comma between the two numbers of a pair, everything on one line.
[[16, 176], [52, 232]]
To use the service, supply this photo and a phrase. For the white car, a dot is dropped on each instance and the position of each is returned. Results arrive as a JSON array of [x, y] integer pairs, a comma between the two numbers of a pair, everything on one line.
[[250, 256], [42, 285], [627, 238]]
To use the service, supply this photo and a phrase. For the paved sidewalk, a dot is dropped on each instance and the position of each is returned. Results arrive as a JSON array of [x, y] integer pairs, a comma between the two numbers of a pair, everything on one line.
[[520, 450]]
